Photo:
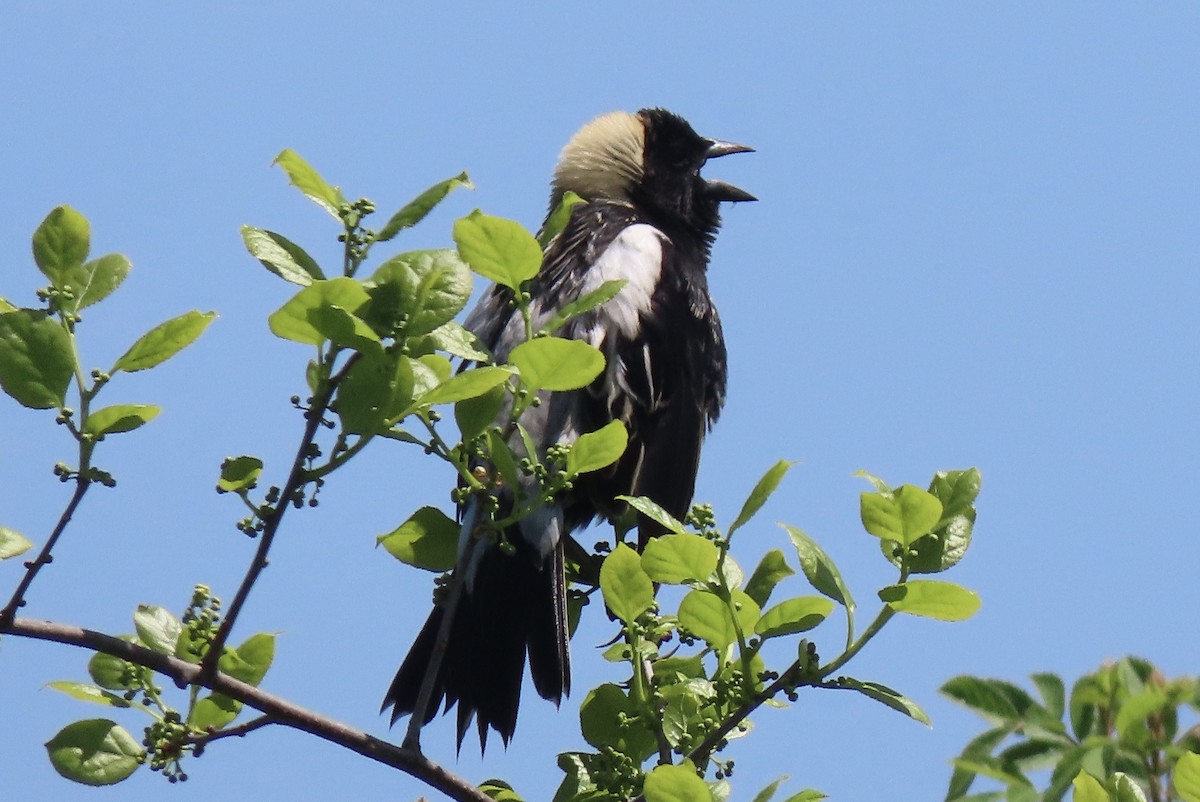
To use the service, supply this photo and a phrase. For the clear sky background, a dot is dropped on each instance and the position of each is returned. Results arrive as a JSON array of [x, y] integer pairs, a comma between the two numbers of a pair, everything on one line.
[[977, 243]]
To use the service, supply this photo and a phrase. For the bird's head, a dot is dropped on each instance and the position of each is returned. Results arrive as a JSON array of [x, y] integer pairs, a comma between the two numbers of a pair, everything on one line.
[[651, 160]]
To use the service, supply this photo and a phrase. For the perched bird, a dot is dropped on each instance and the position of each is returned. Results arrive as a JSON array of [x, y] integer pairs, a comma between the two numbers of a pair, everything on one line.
[[648, 217]]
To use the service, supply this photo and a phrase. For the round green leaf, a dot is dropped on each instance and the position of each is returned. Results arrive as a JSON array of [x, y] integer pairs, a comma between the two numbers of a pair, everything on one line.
[[598, 449], [627, 591], [120, 418], [903, 515], [164, 341], [943, 601], [676, 559], [706, 616], [474, 415], [13, 543], [794, 615], [1089, 789], [250, 661], [60, 244], [239, 473], [110, 672], [94, 752], [553, 363], [37, 360], [498, 249], [428, 539], [675, 784], [214, 710]]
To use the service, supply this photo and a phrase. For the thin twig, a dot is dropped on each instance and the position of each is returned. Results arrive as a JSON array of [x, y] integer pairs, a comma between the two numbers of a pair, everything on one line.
[[279, 710]]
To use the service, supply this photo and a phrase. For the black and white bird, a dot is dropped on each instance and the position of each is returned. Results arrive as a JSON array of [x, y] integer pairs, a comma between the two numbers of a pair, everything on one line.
[[649, 218]]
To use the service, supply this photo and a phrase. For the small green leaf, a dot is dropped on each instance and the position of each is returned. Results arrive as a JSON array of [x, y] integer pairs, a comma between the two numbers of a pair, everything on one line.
[[1187, 777], [60, 245], [213, 711], [502, 459], [794, 615], [628, 591], [1054, 693], [676, 559], [598, 449], [377, 387], [771, 570], [706, 616], [675, 784], [455, 340], [497, 249], [468, 384], [119, 418], [1124, 789], [98, 279], [13, 543], [344, 328], [281, 256], [996, 700], [889, 697], [428, 539], [249, 661], [1089, 789], [474, 415], [903, 515], [239, 473], [89, 693], [609, 718], [418, 291], [584, 303], [164, 341], [761, 492], [558, 218], [37, 359], [808, 795], [292, 321], [308, 181], [499, 790], [5, 306], [820, 570], [552, 363], [944, 601], [765, 794], [654, 512], [157, 628], [415, 210], [110, 672], [94, 752]]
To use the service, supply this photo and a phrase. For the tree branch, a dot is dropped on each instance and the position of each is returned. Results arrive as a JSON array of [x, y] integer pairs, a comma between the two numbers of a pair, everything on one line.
[[276, 709]]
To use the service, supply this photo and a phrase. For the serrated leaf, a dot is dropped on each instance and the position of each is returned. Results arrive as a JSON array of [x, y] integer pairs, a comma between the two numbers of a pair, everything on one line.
[[415, 210], [61, 244], [675, 784], [678, 558], [793, 615], [889, 697], [94, 752], [88, 693], [239, 473], [770, 571], [553, 363], [761, 492], [705, 615], [497, 249], [428, 539], [96, 280], [1186, 776], [13, 543], [558, 219], [37, 359], [281, 256], [628, 591], [164, 341], [654, 512], [584, 303], [903, 515], [930, 598], [308, 181], [468, 384], [157, 628], [819, 568], [119, 418], [418, 291], [598, 449]]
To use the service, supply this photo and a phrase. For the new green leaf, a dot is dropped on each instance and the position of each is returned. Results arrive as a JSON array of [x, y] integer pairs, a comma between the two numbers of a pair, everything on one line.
[[944, 601], [553, 363], [559, 218], [469, 384], [794, 615], [584, 303], [281, 256], [1187, 776], [37, 360], [96, 280], [598, 449], [13, 543], [418, 291], [157, 628], [86, 692], [428, 539], [675, 784], [654, 512], [294, 320], [820, 570], [887, 696], [761, 492], [498, 249], [705, 615], [628, 591], [120, 418], [308, 181], [415, 210], [770, 571], [676, 559], [94, 752], [164, 341], [239, 473], [60, 245], [903, 515]]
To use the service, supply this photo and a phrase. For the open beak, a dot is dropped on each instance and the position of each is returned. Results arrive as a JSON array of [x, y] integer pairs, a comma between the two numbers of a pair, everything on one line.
[[721, 190]]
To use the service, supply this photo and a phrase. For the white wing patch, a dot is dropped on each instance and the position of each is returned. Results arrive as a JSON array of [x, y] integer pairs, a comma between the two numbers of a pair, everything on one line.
[[636, 256]]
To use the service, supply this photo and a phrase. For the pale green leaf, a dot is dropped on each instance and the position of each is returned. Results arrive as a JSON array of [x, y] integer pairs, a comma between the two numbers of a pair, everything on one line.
[[415, 210], [308, 181], [37, 359], [13, 543], [498, 249], [281, 256], [678, 558], [628, 591], [94, 752], [944, 601], [553, 363], [761, 492], [119, 418], [598, 449], [164, 341]]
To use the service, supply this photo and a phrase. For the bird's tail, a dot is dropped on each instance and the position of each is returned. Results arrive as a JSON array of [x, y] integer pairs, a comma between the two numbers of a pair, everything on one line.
[[510, 605]]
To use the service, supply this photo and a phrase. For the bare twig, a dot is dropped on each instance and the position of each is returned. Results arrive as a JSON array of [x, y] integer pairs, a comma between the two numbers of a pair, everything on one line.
[[274, 708]]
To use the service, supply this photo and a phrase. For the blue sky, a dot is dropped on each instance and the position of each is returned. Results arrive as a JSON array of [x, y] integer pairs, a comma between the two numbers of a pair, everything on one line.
[[977, 243]]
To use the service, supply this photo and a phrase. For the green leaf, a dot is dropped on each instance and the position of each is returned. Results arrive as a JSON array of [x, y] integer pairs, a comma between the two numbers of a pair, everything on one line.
[[598, 449], [293, 321], [377, 388], [584, 303], [903, 515], [13, 543], [794, 615], [110, 672], [157, 628], [98, 279], [944, 601], [1186, 777], [346, 329], [609, 718], [947, 543], [500, 791], [770, 571], [559, 218], [628, 591], [214, 711], [705, 615], [37, 359], [468, 384], [765, 794], [428, 539], [502, 459], [89, 693], [807, 795], [94, 752], [552, 363], [761, 492], [239, 473], [676, 559], [995, 700], [654, 512], [474, 415], [5, 306], [60, 245], [418, 291], [497, 249], [1124, 789], [820, 570], [119, 418], [889, 697], [675, 784], [415, 210], [457, 341], [164, 341], [1089, 789], [281, 256], [308, 181], [249, 661]]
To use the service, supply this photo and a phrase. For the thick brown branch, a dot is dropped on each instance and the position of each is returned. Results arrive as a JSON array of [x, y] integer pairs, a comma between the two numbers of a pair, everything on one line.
[[278, 710]]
